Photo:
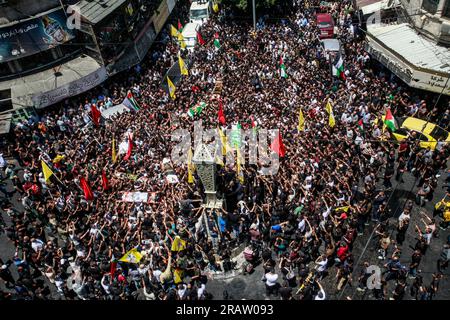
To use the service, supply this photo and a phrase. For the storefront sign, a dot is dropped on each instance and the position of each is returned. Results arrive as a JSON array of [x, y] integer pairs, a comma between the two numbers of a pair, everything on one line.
[[74, 88]]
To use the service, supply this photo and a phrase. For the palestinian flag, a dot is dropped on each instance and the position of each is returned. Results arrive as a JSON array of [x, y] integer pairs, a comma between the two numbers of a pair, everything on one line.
[[338, 67], [180, 26], [216, 41], [361, 125], [197, 109], [389, 120], [130, 103], [283, 73], [200, 39]]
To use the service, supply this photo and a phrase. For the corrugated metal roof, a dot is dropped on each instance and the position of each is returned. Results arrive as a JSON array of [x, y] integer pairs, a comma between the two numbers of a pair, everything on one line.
[[96, 10], [414, 48]]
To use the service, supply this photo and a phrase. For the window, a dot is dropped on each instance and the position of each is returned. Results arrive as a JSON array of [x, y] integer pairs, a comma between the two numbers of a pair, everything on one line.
[[5, 100], [446, 11], [430, 5]]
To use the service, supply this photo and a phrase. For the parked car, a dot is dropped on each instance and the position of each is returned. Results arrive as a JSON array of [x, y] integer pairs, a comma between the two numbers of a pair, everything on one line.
[[428, 133], [330, 48], [190, 35], [325, 24]]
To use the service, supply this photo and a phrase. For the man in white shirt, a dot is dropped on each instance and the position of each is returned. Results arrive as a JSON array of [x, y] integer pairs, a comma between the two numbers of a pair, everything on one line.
[[272, 284]]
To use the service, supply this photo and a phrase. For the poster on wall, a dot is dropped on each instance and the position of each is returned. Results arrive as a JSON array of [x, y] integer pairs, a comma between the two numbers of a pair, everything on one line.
[[34, 35]]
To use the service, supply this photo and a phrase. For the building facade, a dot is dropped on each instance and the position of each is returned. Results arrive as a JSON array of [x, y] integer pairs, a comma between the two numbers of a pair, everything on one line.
[[430, 17]]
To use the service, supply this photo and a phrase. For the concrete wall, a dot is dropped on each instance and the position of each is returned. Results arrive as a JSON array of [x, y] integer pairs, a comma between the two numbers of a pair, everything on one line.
[[434, 26]]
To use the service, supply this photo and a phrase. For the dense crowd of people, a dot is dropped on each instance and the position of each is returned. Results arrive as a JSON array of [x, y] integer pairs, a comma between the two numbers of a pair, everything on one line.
[[303, 221]]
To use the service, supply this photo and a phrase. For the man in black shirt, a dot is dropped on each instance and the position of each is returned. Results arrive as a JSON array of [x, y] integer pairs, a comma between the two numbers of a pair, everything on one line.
[[285, 291]]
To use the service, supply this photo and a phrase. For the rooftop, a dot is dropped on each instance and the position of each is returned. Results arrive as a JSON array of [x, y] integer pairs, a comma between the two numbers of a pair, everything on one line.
[[96, 10], [412, 47]]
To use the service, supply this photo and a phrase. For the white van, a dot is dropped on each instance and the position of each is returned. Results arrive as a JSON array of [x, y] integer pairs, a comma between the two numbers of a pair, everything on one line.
[[331, 47], [190, 35], [200, 11]]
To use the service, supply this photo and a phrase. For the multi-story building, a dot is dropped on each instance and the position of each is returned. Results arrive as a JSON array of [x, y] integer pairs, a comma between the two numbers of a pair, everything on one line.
[[415, 45], [430, 17], [51, 50]]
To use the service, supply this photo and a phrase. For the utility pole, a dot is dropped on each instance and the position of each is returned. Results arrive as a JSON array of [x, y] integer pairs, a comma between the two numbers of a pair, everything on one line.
[[254, 15]]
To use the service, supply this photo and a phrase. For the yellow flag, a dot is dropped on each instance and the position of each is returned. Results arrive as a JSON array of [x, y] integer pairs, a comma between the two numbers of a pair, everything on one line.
[[58, 158], [46, 171], [181, 40], [114, 155], [216, 7], [331, 120], [219, 161], [223, 140], [189, 166], [238, 165], [178, 244], [301, 121], [345, 209], [171, 88], [184, 71], [132, 256], [173, 31]]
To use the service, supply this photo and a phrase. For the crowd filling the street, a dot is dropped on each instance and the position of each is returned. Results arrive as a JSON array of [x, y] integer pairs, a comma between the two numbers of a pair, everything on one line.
[[97, 210]]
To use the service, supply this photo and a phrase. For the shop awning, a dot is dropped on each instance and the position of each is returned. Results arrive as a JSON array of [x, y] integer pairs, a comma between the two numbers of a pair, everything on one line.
[[56, 84], [416, 60], [95, 11]]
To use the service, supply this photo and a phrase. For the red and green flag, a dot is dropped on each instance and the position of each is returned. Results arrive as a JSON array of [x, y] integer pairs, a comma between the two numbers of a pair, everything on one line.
[[200, 39], [216, 41], [130, 102], [283, 72], [338, 67], [389, 120]]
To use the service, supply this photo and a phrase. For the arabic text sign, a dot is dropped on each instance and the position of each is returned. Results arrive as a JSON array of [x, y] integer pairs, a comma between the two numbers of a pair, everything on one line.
[[71, 89]]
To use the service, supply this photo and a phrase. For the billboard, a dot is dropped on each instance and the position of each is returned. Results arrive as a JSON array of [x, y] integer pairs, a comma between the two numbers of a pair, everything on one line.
[[34, 35]]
